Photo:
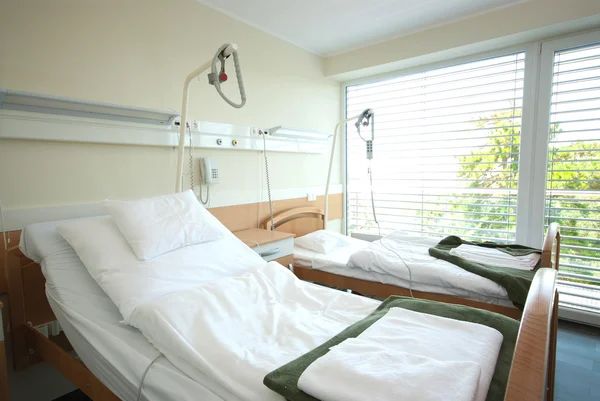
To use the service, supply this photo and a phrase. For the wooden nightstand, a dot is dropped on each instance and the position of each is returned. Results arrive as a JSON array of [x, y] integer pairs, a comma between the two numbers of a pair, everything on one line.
[[272, 245], [3, 373]]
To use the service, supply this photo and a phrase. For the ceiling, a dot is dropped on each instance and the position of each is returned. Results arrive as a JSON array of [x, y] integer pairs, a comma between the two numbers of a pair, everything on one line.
[[327, 27]]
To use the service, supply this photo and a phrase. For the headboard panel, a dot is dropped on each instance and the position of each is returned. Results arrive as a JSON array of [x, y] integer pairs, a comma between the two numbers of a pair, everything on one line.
[[300, 221]]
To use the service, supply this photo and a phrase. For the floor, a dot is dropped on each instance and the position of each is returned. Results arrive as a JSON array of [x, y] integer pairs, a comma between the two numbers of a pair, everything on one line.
[[577, 371], [577, 363]]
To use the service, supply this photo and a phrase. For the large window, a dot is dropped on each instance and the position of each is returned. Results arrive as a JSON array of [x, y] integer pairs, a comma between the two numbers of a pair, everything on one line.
[[495, 148], [573, 175], [446, 151]]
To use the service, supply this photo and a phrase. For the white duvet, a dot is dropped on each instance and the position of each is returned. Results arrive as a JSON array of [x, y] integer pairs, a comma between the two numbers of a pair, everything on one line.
[[424, 269], [216, 310], [239, 329]]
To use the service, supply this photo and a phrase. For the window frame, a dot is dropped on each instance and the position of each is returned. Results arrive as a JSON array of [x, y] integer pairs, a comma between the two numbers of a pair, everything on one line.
[[535, 124], [527, 120]]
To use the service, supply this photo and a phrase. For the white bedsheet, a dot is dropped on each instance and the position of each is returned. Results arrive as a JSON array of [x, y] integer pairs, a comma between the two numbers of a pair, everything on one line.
[[336, 262], [435, 337], [230, 329], [129, 282], [439, 338], [358, 370], [425, 269], [116, 354], [237, 330]]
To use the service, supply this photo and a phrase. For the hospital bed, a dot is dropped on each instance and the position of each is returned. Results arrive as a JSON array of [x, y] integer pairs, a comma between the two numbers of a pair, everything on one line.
[[112, 358], [331, 269]]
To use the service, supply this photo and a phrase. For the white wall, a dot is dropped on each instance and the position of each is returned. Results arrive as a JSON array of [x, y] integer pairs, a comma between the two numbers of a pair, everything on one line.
[[525, 21], [137, 52]]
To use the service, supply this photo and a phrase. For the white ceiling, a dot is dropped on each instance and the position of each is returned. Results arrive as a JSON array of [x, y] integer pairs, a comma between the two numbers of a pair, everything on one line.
[[329, 27]]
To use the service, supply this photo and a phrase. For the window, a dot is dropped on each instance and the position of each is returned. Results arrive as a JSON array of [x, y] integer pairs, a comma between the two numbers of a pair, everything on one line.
[[446, 151], [573, 174], [496, 148]]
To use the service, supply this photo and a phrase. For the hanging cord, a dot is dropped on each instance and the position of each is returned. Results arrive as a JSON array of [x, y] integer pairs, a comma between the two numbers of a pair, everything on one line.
[[268, 182], [260, 194], [139, 396], [207, 201], [381, 238], [192, 158], [191, 153]]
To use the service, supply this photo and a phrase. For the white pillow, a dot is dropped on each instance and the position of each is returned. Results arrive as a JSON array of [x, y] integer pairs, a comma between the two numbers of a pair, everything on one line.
[[154, 226], [323, 241]]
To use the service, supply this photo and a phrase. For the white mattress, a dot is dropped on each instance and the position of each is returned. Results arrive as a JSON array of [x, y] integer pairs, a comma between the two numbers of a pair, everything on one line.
[[336, 262], [117, 354]]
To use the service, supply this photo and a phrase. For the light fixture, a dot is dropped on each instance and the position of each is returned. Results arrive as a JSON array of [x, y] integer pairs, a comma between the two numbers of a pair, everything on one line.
[[32, 102]]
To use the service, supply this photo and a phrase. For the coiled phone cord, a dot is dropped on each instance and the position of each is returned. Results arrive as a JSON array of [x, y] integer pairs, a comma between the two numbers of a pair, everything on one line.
[[264, 134], [191, 152]]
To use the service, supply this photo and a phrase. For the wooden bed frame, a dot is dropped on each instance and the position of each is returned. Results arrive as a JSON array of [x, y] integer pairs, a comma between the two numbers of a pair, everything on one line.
[[286, 221], [534, 362], [531, 378]]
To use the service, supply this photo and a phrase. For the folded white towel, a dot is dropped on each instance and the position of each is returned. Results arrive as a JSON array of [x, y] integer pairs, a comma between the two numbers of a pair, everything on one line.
[[434, 337], [495, 257], [358, 370]]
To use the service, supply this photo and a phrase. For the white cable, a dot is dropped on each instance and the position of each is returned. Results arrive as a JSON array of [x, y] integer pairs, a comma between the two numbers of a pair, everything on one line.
[[268, 181], [2, 224], [139, 396], [381, 238], [260, 195], [257, 247], [406, 265]]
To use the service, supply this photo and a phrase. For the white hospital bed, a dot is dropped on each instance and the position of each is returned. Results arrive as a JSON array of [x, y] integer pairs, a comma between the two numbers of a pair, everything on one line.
[[332, 269], [116, 356], [115, 353]]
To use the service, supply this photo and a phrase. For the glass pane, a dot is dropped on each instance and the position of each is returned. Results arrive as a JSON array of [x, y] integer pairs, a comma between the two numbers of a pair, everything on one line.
[[446, 151]]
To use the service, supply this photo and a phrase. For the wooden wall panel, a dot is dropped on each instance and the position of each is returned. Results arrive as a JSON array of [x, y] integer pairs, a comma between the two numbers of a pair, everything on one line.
[[242, 217]]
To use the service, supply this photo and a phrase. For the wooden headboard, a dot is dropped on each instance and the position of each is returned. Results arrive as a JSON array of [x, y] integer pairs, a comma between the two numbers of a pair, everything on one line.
[[299, 221]]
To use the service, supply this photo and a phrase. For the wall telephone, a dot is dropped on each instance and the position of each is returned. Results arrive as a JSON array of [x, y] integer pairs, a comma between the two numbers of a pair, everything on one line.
[[209, 171]]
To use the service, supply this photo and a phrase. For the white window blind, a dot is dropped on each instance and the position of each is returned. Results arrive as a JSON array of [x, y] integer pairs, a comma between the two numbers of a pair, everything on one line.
[[446, 151], [573, 178]]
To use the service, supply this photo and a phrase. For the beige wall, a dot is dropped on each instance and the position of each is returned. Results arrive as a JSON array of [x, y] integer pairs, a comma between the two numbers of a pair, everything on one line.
[[137, 52], [525, 21]]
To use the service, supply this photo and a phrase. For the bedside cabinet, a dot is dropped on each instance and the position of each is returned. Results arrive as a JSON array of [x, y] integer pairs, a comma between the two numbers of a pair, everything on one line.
[[271, 245], [3, 366]]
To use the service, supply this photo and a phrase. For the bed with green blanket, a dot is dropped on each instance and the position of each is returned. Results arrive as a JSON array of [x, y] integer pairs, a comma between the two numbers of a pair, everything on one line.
[[285, 379], [516, 282]]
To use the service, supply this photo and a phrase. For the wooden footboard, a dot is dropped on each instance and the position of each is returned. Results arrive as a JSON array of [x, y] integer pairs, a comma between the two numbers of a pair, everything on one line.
[[28, 308], [382, 291], [533, 368], [551, 247]]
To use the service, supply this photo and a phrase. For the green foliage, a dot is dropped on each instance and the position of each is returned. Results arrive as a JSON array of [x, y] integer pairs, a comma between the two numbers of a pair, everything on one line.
[[572, 166]]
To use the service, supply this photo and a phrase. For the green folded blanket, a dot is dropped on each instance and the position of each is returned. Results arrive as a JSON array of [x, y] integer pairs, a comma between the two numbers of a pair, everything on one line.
[[285, 379], [515, 281]]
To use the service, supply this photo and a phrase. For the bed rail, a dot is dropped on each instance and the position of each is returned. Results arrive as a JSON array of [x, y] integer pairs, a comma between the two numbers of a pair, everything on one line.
[[532, 372], [551, 247], [28, 308]]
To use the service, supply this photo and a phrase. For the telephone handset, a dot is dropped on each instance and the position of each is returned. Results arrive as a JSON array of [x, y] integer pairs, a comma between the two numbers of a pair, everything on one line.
[[209, 171]]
